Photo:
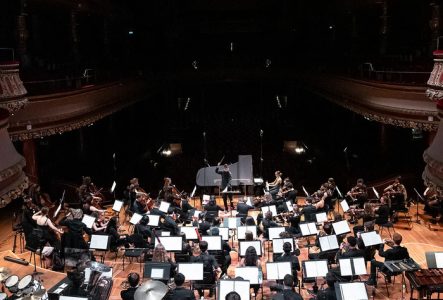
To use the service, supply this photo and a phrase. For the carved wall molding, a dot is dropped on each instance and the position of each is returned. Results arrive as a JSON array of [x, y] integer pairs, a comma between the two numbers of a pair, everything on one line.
[[12, 90]]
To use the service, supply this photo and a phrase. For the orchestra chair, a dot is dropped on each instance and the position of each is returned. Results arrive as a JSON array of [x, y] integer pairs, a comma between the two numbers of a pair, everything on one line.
[[206, 283], [388, 225], [133, 253], [403, 214], [387, 274], [19, 234], [211, 215], [182, 257]]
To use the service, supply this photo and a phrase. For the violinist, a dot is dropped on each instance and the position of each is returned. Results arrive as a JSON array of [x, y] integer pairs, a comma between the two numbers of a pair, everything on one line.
[[48, 228], [167, 222], [397, 194], [140, 203], [100, 223], [267, 223], [89, 189], [182, 208], [131, 191], [349, 248], [168, 190], [368, 215], [382, 212], [358, 194]]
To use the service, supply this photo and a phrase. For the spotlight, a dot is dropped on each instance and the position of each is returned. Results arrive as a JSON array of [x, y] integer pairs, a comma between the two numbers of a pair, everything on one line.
[[195, 64], [188, 100], [231, 47], [268, 63], [278, 101], [166, 152], [130, 32]]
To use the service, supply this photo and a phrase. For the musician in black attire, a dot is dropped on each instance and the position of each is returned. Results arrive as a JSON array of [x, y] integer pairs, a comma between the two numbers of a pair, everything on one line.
[[397, 252], [143, 228], [287, 290], [309, 211], [349, 249], [242, 210], [358, 194], [168, 223], [288, 256], [382, 212], [28, 224], [226, 249], [267, 223], [329, 292], [226, 183], [210, 266], [180, 293], [202, 224], [73, 238], [128, 294]]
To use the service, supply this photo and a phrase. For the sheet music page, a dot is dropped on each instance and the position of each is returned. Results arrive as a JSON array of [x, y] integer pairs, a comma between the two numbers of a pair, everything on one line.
[[171, 243], [192, 271], [249, 202], [99, 242], [206, 197], [117, 205], [371, 238], [247, 273], [264, 210], [153, 220], [311, 269], [197, 213], [439, 259], [344, 205], [359, 266], [225, 287], [312, 228], [324, 243], [157, 273], [214, 242], [245, 244], [136, 218], [224, 232], [272, 271], [333, 241], [274, 232], [241, 231], [273, 209], [341, 227], [284, 268], [277, 244], [166, 233], [354, 291], [164, 206], [242, 288], [232, 223], [289, 206], [190, 232], [304, 229], [322, 268], [345, 267], [88, 220], [321, 217]]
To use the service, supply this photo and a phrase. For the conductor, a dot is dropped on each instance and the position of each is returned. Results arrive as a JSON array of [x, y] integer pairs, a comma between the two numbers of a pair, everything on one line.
[[226, 183]]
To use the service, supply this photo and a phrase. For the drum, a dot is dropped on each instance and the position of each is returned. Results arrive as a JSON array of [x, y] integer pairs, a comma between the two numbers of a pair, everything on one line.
[[3, 296], [11, 283], [25, 285]]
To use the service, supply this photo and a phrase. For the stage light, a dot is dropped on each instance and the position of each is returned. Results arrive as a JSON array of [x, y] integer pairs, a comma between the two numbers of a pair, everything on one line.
[[232, 46], [188, 100], [278, 101], [195, 64], [268, 63], [294, 147], [130, 32], [166, 152]]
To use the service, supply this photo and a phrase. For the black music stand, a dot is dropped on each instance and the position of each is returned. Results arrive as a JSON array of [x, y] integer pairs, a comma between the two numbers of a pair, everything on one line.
[[158, 271], [419, 197]]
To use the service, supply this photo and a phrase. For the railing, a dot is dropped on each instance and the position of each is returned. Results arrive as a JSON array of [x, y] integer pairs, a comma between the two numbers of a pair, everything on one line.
[[368, 72]]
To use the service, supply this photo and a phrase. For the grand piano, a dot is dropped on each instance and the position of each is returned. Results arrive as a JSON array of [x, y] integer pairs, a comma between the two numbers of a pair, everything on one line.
[[241, 173]]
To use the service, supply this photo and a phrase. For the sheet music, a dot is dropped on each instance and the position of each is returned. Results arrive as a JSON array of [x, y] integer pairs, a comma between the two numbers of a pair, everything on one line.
[[274, 232], [321, 217], [190, 232], [353, 291], [114, 184], [371, 238], [214, 242], [240, 286], [339, 192], [206, 197], [224, 232], [341, 227], [278, 270], [248, 273], [308, 229], [88, 220], [165, 233], [352, 266], [193, 191], [164, 206], [289, 206], [192, 271], [135, 219], [277, 244], [171, 243], [153, 220], [316, 268], [271, 208], [71, 297], [344, 205], [439, 259], [233, 223], [157, 273], [99, 242], [245, 244], [117, 205], [345, 267], [359, 266], [241, 231], [376, 193], [328, 242]]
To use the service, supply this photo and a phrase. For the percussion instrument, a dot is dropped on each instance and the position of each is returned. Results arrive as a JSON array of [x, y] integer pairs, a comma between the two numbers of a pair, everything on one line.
[[95, 266], [26, 284], [37, 295], [151, 290], [11, 283], [3, 296], [4, 273]]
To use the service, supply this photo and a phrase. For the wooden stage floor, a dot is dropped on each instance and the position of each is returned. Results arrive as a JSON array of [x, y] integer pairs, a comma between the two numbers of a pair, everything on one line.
[[418, 240]]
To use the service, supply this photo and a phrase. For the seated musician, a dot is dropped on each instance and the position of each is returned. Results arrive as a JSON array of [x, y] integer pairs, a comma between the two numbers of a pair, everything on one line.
[[166, 222], [180, 292], [159, 255], [329, 292], [183, 208], [202, 223], [274, 186], [143, 228], [367, 216], [28, 224], [100, 223], [140, 204], [382, 212], [251, 259], [131, 191], [289, 256], [226, 250], [309, 210], [369, 252], [242, 209], [294, 222], [210, 266], [167, 190], [116, 239], [73, 238], [48, 228], [397, 193], [287, 291], [315, 252], [212, 206], [88, 207], [435, 204], [397, 252], [133, 280], [358, 194], [349, 248], [267, 223]]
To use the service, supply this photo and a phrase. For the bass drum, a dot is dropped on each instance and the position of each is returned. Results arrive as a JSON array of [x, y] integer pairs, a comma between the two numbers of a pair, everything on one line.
[[11, 283]]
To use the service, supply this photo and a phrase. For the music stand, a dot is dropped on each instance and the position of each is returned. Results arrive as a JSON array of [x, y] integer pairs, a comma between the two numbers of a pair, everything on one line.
[[225, 286], [274, 232], [164, 206], [351, 291], [192, 271], [100, 242], [190, 232], [249, 273], [232, 223], [243, 245], [277, 244], [214, 242], [371, 238], [171, 243], [241, 231], [270, 208], [223, 231], [278, 270], [354, 266], [88, 220], [313, 269], [405, 265], [321, 217], [434, 259], [153, 220], [421, 198], [307, 230], [328, 242], [159, 271], [136, 217], [341, 227], [118, 204]]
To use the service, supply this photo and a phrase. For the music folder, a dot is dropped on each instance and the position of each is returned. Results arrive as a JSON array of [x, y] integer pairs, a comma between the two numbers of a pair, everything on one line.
[[277, 244], [192, 271], [278, 270], [241, 231], [249, 273], [308, 229], [156, 270], [118, 204], [351, 291], [99, 242], [214, 242], [190, 232], [274, 232], [352, 266], [344, 205], [315, 268], [243, 245], [371, 238], [171, 243], [341, 227], [434, 259], [328, 242], [225, 286], [321, 217]]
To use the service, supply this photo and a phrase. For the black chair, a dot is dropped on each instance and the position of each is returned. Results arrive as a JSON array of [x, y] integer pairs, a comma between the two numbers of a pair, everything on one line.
[[133, 253], [208, 283], [19, 234], [182, 257], [211, 215], [386, 274], [403, 215], [388, 226]]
